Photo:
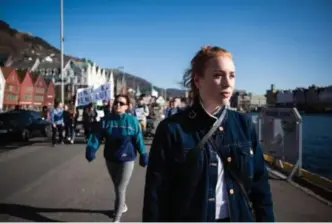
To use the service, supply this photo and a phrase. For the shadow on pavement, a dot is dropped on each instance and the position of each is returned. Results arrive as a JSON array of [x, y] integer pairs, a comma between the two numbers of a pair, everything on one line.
[[7, 144], [13, 145], [30, 213]]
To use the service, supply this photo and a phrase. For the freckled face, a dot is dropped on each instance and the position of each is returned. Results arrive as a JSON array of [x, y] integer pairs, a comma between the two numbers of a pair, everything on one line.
[[218, 82]]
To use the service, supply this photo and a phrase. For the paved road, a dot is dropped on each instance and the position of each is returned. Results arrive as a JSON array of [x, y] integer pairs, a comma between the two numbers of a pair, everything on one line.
[[42, 183]]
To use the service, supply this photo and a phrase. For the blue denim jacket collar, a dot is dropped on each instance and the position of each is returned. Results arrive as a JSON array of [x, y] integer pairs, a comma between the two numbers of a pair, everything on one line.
[[203, 118]]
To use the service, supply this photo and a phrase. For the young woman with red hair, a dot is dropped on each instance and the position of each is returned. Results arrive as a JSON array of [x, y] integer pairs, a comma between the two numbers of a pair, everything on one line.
[[206, 163]]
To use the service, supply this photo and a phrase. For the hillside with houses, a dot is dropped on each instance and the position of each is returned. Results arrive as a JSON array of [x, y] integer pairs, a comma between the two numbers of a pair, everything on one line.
[[23, 51]]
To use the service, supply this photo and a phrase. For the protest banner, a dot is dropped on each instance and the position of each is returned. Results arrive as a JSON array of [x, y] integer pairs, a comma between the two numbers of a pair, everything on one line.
[[85, 96]]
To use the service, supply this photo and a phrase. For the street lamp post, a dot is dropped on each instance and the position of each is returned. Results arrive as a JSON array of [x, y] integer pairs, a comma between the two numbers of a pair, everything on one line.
[[61, 56]]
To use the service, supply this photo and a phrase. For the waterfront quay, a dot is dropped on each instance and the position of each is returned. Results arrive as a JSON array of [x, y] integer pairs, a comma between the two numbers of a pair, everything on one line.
[[44, 183], [316, 143]]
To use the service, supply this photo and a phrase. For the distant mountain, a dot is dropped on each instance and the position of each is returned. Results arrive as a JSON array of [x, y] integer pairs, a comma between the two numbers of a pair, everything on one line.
[[17, 48]]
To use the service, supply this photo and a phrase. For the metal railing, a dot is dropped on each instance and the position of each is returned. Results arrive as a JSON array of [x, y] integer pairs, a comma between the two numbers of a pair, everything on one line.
[[280, 134]]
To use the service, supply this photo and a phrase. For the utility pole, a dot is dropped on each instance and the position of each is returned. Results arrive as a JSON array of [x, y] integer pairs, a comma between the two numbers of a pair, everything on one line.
[[61, 45]]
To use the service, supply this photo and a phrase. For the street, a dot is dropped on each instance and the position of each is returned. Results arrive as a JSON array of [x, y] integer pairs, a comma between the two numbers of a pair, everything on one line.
[[44, 183]]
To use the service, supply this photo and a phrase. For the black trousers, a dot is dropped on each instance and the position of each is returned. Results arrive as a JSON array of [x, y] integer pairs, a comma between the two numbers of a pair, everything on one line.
[[69, 129], [87, 130], [59, 129]]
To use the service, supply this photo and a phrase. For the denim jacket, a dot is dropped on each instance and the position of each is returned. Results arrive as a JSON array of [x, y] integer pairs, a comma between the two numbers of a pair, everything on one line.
[[57, 116], [123, 139], [180, 188]]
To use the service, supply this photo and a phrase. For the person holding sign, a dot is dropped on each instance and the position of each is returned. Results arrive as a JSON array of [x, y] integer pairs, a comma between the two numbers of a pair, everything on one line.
[[142, 112], [123, 139], [206, 163]]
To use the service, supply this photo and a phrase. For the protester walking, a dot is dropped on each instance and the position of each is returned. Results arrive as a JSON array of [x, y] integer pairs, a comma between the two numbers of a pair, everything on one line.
[[123, 139], [142, 112], [45, 113], [57, 123], [107, 107], [172, 109], [206, 163], [89, 120], [69, 124]]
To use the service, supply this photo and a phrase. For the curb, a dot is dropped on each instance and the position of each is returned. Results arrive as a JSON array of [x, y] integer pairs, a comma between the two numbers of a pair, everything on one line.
[[320, 185]]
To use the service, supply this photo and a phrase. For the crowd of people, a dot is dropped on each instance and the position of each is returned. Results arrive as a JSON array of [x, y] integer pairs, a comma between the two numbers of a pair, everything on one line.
[[65, 117]]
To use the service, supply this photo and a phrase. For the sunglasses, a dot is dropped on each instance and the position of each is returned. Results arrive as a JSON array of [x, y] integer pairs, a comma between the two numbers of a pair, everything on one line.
[[120, 103]]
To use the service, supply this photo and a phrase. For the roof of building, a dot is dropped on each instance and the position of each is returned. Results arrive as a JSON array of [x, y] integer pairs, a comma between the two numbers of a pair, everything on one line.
[[6, 71], [21, 73], [34, 77]]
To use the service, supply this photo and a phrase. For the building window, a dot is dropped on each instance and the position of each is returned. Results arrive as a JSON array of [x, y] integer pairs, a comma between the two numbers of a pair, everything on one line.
[[9, 87], [39, 98], [40, 90], [11, 97], [13, 78], [29, 89], [27, 97]]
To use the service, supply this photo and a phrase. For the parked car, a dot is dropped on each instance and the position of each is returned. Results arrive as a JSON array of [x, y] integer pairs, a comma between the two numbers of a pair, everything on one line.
[[24, 124]]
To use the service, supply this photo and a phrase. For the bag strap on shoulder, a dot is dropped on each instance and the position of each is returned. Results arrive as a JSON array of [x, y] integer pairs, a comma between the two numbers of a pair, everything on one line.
[[215, 126]]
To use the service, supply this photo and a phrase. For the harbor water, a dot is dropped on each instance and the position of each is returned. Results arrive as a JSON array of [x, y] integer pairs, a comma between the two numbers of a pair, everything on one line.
[[317, 144]]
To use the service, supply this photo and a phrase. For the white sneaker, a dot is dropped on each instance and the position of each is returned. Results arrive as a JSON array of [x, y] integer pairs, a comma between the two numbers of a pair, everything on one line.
[[125, 209], [117, 219]]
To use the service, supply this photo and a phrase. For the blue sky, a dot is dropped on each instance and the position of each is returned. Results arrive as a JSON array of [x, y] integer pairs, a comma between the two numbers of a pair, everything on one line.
[[285, 42]]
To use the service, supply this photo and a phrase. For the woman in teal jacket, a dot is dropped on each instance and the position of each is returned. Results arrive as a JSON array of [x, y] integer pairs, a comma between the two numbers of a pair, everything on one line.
[[123, 139]]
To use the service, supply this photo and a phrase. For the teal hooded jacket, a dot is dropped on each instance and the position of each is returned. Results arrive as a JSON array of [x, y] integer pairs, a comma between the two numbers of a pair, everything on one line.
[[123, 139]]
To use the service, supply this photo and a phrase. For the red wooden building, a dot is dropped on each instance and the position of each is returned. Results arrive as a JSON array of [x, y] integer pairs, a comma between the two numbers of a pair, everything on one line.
[[50, 93], [27, 89], [40, 89], [12, 88]]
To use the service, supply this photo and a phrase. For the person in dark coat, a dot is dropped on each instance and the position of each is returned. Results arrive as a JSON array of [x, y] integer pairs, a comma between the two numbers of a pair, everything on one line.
[[206, 163], [67, 122], [70, 125], [172, 110], [89, 120], [107, 107], [45, 113]]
